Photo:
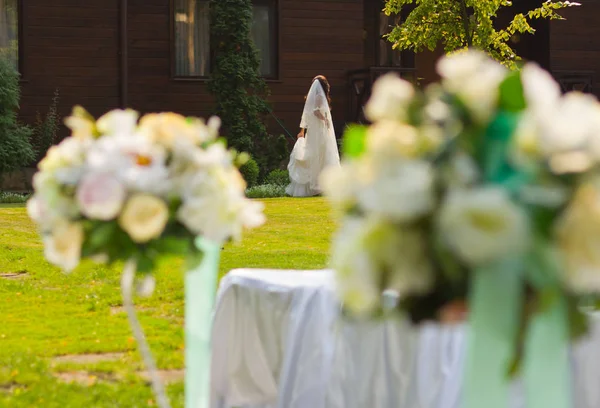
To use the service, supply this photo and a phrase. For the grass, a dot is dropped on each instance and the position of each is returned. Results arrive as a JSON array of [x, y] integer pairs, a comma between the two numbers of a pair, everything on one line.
[[47, 313]]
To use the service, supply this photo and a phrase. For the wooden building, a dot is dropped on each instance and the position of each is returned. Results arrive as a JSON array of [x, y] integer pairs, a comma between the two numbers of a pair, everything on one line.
[[152, 55]]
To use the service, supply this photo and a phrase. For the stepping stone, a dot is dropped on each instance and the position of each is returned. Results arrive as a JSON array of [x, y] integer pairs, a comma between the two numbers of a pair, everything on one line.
[[82, 377], [87, 358], [167, 376]]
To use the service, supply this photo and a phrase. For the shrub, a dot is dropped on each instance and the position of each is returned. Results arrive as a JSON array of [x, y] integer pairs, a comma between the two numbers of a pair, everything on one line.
[[45, 130], [13, 198], [250, 172], [274, 150], [278, 178], [15, 145], [266, 191]]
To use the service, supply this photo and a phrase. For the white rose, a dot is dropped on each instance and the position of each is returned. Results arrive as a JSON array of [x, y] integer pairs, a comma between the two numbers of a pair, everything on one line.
[[391, 96], [144, 217], [540, 89], [100, 196], [118, 121], [395, 139], [475, 79], [368, 252], [63, 246], [400, 190], [215, 206], [483, 225], [342, 183], [70, 152]]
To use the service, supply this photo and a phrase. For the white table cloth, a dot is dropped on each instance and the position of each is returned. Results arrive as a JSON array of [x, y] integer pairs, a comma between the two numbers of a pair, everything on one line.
[[278, 342]]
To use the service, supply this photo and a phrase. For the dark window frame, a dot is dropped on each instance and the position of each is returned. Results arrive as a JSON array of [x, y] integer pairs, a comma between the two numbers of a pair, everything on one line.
[[275, 44]]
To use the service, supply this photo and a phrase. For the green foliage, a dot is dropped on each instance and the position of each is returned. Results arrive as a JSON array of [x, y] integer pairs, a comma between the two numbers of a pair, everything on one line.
[[45, 129], [458, 24], [266, 191], [273, 151], [15, 148], [278, 177], [13, 198], [354, 141], [250, 172], [235, 79]]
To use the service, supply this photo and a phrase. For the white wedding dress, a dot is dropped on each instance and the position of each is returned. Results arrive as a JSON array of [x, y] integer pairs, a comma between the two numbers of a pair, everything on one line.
[[317, 150]]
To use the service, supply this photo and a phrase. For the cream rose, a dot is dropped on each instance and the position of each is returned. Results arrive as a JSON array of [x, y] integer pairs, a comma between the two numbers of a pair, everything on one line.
[[578, 238], [165, 128], [144, 217], [390, 98], [483, 225], [63, 246]]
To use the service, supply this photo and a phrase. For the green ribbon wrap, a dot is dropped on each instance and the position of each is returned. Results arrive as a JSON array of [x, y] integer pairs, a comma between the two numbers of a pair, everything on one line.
[[496, 308], [200, 288]]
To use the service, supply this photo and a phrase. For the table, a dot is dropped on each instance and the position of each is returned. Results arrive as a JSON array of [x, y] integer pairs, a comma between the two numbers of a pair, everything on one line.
[[278, 342]]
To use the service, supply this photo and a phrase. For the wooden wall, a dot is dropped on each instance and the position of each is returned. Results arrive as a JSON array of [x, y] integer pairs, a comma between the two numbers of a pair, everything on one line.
[[316, 37], [575, 42], [71, 45]]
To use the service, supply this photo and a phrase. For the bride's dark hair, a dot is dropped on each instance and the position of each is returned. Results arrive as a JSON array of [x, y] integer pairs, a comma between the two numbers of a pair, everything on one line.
[[326, 87]]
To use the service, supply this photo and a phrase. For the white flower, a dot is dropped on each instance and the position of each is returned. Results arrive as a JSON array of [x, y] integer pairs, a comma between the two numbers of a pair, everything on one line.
[[342, 183], [100, 196], [144, 217], [69, 153], [395, 139], [475, 79], [214, 205], [166, 128], [63, 245], [483, 225], [368, 252], [578, 238], [400, 190], [462, 171], [140, 164], [81, 123], [540, 89], [118, 121], [391, 96]]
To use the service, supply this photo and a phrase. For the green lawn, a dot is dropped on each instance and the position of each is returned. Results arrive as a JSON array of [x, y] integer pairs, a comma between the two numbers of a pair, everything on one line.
[[45, 313]]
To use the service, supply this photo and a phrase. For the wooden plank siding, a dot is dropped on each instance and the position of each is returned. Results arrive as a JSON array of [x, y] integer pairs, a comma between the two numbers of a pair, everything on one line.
[[315, 37], [575, 42], [71, 45]]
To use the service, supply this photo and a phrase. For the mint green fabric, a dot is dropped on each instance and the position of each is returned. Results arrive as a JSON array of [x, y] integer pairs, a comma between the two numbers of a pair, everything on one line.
[[200, 288]]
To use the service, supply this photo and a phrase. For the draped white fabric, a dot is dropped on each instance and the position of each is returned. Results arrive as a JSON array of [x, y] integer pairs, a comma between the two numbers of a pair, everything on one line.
[[318, 150], [278, 342]]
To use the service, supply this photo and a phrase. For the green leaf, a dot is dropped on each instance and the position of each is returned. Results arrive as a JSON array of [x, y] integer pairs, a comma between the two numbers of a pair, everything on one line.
[[512, 98], [354, 143]]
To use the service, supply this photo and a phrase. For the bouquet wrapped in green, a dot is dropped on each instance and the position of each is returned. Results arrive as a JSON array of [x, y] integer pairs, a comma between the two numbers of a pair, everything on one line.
[[483, 189]]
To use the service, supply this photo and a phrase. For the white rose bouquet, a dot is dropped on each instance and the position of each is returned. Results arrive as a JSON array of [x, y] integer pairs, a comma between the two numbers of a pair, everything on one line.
[[480, 194], [122, 190]]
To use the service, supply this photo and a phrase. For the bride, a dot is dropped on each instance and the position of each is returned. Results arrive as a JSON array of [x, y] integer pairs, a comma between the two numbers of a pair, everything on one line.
[[316, 147]]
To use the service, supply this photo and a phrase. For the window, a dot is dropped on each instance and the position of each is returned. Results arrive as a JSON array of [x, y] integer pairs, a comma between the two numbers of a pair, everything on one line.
[[192, 37], [9, 29]]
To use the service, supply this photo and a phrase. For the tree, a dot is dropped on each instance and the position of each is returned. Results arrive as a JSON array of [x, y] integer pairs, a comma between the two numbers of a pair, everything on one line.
[[15, 147], [459, 24]]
